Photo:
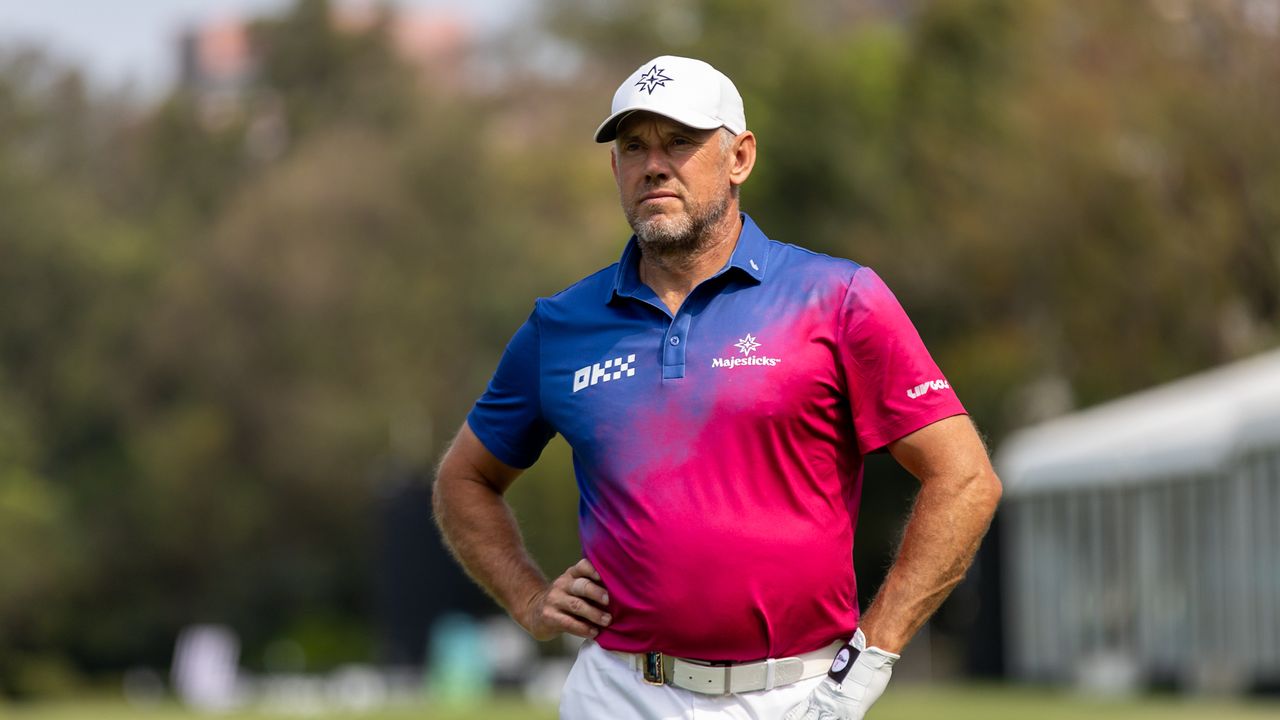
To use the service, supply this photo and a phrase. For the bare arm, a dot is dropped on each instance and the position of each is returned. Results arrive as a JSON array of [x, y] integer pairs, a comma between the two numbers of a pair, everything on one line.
[[958, 495], [482, 533]]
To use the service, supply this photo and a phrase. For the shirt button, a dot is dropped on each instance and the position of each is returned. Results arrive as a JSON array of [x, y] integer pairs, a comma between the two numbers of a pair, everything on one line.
[[675, 340]]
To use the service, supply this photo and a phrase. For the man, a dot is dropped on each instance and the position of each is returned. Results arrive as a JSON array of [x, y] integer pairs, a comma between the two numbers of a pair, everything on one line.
[[719, 391]]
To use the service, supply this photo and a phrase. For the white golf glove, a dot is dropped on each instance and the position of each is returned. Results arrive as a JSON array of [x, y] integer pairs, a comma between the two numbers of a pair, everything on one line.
[[857, 677]]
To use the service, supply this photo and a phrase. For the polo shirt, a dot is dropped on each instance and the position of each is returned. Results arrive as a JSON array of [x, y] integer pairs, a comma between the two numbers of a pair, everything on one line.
[[718, 451]]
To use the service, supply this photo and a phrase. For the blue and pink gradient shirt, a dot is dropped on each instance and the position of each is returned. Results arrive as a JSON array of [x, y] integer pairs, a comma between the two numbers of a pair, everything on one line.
[[719, 452]]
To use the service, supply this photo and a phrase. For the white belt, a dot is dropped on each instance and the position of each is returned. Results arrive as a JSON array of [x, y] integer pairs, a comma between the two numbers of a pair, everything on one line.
[[709, 679]]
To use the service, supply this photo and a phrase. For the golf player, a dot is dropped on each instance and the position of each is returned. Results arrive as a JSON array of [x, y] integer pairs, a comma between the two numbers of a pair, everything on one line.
[[720, 391]]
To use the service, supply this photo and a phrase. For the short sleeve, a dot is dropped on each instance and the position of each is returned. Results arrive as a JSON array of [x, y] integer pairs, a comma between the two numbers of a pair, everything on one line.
[[895, 387], [508, 417]]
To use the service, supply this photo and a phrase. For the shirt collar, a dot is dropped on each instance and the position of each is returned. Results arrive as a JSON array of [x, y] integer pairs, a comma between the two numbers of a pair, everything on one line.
[[750, 256]]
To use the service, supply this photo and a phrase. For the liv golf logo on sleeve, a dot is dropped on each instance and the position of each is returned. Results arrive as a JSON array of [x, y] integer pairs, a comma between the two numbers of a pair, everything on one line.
[[746, 346], [925, 387]]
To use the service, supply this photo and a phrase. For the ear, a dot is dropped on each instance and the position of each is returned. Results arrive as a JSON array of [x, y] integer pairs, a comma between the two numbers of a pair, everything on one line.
[[613, 160], [742, 157]]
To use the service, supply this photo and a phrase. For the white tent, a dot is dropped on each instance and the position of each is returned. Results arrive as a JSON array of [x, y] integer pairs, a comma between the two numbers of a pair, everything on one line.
[[1189, 426], [1145, 533]]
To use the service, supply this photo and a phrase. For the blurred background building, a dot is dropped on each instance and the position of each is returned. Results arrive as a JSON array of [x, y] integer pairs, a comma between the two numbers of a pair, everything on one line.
[[1141, 537], [219, 60]]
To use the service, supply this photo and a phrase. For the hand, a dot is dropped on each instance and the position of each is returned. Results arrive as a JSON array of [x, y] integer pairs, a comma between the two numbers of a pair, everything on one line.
[[574, 603], [852, 698]]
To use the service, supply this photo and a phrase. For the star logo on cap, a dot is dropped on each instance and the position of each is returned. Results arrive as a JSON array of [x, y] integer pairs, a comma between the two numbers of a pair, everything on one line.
[[652, 78]]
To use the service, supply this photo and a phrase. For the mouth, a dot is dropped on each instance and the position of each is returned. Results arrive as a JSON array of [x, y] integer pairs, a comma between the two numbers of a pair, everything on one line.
[[657, 196]]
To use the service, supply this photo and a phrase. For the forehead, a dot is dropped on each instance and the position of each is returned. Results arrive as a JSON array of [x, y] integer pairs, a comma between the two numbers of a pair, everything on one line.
[[642, 123]]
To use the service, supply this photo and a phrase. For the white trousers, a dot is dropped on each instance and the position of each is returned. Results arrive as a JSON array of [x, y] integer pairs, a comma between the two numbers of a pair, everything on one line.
[[602, 686]]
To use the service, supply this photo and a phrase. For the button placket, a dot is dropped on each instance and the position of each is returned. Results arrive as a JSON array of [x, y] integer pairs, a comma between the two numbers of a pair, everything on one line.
[[674, 344]]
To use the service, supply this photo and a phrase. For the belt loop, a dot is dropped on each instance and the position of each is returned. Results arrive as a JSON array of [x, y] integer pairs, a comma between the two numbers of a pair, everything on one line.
[[728, 679], [769, 673]]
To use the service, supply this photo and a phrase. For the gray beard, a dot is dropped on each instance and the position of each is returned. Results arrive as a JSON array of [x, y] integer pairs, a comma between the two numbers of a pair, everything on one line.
[[680, 238]]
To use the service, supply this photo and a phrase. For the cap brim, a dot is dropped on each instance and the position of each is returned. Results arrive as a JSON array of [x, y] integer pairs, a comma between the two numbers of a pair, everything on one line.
[[608, 130]]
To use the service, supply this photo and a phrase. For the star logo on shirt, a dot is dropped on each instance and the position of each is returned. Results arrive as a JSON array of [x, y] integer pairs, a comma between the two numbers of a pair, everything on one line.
[[746, 346], [652, 78]]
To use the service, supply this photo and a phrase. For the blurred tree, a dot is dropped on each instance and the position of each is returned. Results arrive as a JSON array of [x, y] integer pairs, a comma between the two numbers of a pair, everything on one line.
[[325, 73], [70, 282]]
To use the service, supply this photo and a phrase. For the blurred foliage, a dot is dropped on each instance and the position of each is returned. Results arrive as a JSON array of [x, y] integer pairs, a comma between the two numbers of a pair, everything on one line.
[[218, 326]]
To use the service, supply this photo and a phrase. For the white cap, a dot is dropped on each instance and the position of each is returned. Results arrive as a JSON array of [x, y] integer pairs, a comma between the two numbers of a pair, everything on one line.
[[688, 91]]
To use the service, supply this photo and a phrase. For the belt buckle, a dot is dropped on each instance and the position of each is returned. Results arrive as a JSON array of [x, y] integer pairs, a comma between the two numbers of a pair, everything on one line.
[[652, 670]]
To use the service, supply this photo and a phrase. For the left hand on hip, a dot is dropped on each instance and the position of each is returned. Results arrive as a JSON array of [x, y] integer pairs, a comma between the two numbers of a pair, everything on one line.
[[850, 698]]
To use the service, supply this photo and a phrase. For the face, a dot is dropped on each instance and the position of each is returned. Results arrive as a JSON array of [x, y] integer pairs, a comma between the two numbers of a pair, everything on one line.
[[674, 182]]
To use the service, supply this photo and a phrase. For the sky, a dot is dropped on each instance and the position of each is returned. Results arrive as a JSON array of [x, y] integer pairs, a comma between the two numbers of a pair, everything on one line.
[[134, 42]]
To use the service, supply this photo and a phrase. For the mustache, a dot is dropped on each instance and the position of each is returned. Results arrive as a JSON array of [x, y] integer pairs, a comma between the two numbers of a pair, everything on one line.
[[672, 188]]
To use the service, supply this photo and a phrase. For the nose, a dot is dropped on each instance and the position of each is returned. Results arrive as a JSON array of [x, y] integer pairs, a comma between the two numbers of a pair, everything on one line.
[[656, 168]]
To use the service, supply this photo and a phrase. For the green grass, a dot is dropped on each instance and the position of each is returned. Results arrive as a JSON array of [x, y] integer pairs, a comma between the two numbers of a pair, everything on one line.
[[118, 710], [902, 702], [915, 702]]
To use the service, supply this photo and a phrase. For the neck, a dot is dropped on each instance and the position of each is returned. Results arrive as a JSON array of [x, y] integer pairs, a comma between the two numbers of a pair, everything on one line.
[[673, 275]]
